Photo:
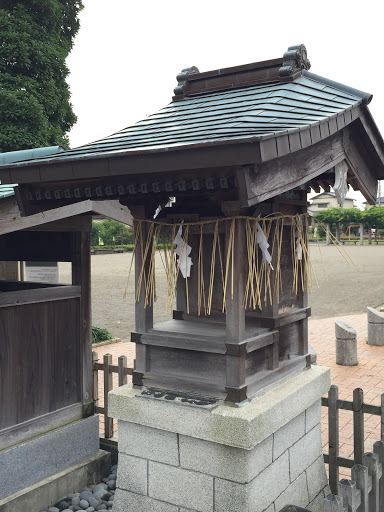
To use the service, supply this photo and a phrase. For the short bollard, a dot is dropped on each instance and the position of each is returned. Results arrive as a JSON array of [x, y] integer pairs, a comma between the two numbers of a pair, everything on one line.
[[375, 327], [346, 344]]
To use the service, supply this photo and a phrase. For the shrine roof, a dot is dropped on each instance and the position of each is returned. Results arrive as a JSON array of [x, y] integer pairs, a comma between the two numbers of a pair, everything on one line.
[[245, 112], [271, 103]]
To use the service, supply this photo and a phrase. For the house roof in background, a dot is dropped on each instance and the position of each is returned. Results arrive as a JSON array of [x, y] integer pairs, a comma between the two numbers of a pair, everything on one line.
[[7, 190], [332, 194]]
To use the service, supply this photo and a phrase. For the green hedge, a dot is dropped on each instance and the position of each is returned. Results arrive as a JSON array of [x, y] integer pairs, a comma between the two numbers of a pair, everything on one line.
[[99, 334]]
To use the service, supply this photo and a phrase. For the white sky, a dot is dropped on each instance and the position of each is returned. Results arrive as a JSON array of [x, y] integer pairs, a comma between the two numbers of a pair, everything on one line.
[[128, 52]]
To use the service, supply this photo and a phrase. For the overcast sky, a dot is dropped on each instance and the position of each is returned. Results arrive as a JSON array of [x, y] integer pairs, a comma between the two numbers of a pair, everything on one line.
[[127, 53]]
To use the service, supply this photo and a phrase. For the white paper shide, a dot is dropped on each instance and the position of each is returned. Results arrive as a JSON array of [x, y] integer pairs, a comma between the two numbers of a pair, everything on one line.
[[183, 251]]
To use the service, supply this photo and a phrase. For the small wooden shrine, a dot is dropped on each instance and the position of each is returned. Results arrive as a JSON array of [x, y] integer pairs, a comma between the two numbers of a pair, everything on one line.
[[238, 149]]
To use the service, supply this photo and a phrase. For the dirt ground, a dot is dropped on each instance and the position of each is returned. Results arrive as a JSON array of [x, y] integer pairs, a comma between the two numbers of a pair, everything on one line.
[[342, 288]]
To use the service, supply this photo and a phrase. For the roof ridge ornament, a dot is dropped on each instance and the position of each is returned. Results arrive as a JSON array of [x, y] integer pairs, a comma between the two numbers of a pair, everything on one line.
[[182, 80], [294, 61]]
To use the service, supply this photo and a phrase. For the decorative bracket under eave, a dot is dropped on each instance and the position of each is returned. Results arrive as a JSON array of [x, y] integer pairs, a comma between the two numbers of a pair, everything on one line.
[[341, 184]]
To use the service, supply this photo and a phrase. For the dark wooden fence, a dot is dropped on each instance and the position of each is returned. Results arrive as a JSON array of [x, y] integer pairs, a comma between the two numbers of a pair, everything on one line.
[[358, 409], [108, 369]]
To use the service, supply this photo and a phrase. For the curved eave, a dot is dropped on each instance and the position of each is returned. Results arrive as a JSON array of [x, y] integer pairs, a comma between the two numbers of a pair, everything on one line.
[[253, 149]]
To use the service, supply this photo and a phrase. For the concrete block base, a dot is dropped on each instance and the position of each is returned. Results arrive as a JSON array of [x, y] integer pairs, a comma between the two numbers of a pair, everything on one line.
[[46, 492], [261, 456], [29, 462]]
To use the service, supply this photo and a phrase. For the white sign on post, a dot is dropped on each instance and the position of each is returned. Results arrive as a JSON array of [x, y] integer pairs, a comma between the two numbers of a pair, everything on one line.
[[9, 270], [42, 271]]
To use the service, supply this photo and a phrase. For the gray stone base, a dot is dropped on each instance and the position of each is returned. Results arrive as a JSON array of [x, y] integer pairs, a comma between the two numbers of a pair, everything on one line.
[[375, 334], [45, 493], [166, 471], [346, 344], [30, 462]]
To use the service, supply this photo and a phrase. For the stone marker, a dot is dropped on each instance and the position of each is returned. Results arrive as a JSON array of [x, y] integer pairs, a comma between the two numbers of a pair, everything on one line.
[[375, 327], [346, 344]]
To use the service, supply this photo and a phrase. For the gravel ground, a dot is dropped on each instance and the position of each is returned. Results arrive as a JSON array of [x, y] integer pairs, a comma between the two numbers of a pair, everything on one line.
[[343, 289]]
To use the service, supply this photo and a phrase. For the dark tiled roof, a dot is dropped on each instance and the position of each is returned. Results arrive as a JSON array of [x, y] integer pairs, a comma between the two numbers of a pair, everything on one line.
[[249, 112], [6, 190]]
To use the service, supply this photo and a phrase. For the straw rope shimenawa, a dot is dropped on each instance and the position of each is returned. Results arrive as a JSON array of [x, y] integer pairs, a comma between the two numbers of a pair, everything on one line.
[[260, 288]]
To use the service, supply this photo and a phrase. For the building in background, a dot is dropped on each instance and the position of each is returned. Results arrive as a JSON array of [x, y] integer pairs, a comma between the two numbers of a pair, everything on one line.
[[328, 200]]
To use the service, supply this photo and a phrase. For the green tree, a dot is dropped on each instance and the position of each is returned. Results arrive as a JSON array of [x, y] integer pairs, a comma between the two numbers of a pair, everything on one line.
[[374, 217], [111, 232], [36, 37], [95, 233]]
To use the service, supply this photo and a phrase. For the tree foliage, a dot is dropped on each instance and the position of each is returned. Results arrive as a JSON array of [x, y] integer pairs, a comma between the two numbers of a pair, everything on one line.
[[373, 216], [37, 36], [111, 232]]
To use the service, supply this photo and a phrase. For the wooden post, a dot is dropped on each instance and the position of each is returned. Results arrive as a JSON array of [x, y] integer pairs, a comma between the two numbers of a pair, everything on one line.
[[370, 234], [81, 276], [333, 432], [235, 317], [350, 494], [143, 315], [95, 378], [358, 425], [122, 364], [360, 475], [327, 237], [361, 234], [235, 313], [382, 417], [378, 449], [333, 503], [338, 231], [108, 386], [371, 460]]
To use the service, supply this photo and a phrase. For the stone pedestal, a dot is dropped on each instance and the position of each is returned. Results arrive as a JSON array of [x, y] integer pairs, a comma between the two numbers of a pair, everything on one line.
[[177, 456], [346, 344], [375, 327]]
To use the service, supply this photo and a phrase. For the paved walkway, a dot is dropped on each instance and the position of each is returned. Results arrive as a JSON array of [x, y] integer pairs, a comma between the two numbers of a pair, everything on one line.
[[368, 374]]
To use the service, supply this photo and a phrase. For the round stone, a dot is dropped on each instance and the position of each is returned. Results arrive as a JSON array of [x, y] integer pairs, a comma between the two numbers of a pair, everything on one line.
[[85, 495], [94, 502], [75, 501], [84, 504]]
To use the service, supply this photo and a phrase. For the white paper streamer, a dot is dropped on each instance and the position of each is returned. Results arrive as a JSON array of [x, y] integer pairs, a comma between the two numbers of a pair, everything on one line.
[[263, 244], [183, 250]]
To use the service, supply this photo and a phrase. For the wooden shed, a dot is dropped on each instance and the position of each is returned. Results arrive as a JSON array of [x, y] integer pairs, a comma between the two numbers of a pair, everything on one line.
[[245, 142], [45, 346]]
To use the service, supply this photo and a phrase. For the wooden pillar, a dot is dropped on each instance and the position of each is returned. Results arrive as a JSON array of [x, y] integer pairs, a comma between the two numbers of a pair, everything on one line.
[[327, 233], [143, 315], [81, 276], [235, 314], [361, 234], [338, 231], [370, 234]]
